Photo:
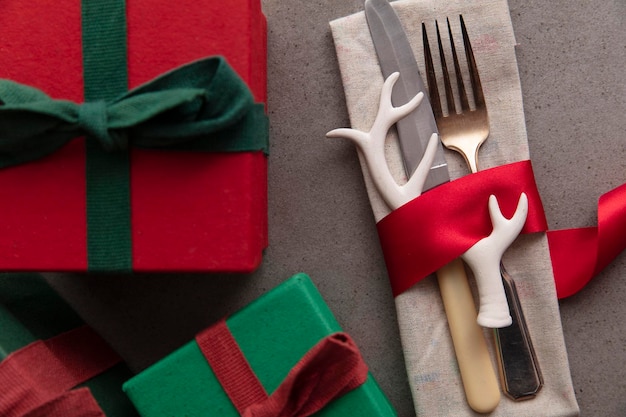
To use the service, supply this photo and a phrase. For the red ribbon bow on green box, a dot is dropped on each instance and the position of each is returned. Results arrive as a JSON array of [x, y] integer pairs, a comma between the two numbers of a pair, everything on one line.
[[330, 369], [282, 355]]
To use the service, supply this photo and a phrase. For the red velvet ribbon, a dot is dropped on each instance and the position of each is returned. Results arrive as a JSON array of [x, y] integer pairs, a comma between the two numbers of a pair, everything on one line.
[[36, 380], [440, 225], [333, 367]]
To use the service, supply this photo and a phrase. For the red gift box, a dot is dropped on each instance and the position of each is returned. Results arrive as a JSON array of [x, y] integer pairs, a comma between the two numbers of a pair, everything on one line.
[[190, 211]]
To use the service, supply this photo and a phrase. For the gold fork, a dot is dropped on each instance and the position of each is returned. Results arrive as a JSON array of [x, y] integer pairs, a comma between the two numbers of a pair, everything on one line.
[[464, 132]]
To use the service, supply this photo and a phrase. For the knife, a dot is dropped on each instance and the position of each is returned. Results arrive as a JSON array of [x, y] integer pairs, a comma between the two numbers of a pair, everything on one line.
[[395, 55]]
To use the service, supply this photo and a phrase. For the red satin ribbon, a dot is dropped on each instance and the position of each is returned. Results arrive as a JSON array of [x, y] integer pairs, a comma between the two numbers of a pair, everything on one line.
[[35, 380], [580, 254], [330, 369], [439, 226]]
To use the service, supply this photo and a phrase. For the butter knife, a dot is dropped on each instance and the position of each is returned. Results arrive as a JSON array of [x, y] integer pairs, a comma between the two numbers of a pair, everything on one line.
[[395, 55]]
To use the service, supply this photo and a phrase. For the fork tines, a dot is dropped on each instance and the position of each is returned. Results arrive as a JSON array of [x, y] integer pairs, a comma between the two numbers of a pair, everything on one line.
[[431, 77]]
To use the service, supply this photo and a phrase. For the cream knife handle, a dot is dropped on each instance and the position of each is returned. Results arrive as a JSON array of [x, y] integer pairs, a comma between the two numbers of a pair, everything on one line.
[[477, 373]]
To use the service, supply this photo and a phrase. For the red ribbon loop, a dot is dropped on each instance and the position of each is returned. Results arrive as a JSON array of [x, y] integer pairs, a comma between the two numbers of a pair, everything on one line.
[[333, 367], [39, 376], [580, 254]]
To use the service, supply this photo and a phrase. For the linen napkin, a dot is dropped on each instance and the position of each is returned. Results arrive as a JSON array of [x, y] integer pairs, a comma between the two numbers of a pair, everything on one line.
[[429, 355]]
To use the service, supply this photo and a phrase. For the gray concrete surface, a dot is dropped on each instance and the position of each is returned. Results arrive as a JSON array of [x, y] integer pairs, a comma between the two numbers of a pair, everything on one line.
[[571, 57]]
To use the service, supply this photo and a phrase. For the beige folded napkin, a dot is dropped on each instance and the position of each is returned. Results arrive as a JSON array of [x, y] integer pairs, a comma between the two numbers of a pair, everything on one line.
[[429, 355]]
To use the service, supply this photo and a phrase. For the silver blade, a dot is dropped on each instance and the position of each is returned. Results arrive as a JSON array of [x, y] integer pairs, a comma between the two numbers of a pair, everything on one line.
[[395, 55]]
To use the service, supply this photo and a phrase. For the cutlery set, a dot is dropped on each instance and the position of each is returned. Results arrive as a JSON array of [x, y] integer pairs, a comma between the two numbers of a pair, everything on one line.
[[425, 121], [464, 132]]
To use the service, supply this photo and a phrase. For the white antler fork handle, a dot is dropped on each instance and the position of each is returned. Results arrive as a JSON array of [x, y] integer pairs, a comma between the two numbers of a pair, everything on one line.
[[484, 259]]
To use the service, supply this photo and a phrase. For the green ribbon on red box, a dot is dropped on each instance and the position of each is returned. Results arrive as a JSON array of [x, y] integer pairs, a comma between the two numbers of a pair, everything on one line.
[[203, 106], [439, 226], [197, 106]]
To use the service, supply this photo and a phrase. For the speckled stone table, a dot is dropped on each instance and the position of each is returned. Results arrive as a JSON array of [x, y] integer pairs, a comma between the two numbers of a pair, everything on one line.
[[571, 56]]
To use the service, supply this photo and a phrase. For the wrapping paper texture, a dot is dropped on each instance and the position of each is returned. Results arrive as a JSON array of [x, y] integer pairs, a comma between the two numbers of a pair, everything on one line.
[[273, 332], [428, 351]]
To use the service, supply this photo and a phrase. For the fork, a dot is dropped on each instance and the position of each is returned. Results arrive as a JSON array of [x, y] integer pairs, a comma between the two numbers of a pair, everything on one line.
[[464, 132]]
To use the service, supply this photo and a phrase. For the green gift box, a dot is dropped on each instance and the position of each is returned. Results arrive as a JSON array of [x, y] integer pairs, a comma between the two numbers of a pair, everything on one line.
[[32, 313], [273, 333]]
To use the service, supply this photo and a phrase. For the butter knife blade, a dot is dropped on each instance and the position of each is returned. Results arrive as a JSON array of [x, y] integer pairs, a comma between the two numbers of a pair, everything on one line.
[[395, 55]]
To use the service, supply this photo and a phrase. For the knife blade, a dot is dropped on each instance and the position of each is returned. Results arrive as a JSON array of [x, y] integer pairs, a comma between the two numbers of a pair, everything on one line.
[[396, 55]]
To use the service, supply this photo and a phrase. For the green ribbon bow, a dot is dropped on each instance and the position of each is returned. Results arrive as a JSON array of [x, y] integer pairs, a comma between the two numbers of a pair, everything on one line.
[[203, 105]]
